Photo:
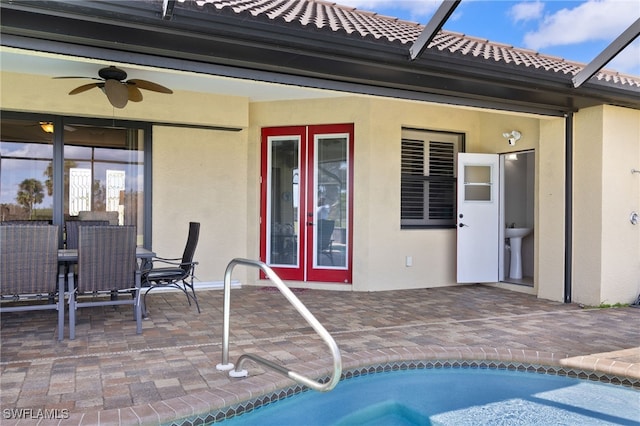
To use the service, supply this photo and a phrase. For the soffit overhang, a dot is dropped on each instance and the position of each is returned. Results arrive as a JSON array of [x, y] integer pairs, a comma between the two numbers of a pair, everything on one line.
[[206, 38]]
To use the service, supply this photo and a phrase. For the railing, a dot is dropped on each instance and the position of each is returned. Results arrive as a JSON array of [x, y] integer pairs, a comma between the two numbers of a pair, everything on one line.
[[308, 316]]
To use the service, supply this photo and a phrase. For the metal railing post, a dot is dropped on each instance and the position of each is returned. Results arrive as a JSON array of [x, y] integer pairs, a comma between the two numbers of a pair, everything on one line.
[[302, 310], [226, 307]]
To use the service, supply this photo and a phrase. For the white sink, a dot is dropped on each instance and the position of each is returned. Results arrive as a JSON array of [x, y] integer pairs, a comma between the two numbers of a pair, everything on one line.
[[515, 236], [517, 232]]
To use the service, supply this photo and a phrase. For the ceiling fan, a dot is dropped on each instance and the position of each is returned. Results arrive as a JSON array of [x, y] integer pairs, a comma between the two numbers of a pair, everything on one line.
[[113, 82]]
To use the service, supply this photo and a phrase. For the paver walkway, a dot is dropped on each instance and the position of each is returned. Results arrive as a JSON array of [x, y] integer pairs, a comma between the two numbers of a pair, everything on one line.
[[108, 368]]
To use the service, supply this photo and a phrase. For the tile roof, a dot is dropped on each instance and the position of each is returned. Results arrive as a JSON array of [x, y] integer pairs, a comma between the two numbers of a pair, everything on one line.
[[351, 22]]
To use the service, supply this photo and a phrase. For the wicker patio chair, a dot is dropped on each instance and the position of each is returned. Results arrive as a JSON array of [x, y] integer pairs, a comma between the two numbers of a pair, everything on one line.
[[107, 268], [177, 273], [29, 270], [25, 222], [71, 228]]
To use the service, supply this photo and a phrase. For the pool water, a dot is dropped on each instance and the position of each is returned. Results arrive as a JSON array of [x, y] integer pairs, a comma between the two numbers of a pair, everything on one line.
[[454, 396]]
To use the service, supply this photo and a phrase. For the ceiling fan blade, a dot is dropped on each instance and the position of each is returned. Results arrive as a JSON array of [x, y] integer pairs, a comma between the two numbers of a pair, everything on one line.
[[135, 95], [84, 88], [65, 77], [117, 93], [149, 85]]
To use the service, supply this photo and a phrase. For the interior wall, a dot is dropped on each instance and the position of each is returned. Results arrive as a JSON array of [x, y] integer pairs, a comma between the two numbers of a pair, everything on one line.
[[519, 203], [517, 193]]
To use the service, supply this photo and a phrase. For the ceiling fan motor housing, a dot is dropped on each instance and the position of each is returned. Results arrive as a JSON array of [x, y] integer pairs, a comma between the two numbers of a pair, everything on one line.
[[112, 73]]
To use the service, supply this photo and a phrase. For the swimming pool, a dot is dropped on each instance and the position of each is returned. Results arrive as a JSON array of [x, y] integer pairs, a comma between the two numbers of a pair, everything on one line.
[[454, 396]]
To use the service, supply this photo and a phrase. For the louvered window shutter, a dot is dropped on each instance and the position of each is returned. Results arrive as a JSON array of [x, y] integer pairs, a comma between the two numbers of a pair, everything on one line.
[[428, 182]]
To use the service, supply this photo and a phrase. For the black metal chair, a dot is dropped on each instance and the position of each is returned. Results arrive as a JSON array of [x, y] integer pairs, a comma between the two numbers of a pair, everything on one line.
[[29, 270], [107, 267], [325, 238], [178, 272]]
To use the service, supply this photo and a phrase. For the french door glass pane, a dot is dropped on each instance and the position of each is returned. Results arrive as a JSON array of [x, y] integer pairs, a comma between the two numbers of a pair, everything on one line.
[[104, 172], [26, 168], [284, 202], [331, 198]]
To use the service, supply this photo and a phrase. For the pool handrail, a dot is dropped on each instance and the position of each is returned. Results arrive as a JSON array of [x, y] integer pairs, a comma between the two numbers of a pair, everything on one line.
[[300, 307]]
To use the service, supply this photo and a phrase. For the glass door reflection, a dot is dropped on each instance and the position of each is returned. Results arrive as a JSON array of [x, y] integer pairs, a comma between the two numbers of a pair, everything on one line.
[[284, 202]]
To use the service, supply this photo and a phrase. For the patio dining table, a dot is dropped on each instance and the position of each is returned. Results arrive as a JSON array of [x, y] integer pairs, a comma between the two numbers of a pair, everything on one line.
[[71, 255]]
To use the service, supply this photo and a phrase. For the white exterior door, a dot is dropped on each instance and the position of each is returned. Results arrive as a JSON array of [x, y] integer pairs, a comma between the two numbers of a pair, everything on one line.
[[478, 218]]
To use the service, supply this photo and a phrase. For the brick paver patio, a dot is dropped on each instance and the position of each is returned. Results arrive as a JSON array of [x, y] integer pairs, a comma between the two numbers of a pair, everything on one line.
[[108, 374]]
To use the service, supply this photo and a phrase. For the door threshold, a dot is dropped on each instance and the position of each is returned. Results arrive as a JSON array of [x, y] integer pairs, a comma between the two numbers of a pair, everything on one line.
[[526, 281], [311, 285], [520, 288]]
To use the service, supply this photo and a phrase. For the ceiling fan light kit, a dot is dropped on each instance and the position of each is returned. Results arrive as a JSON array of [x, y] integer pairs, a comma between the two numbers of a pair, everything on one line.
[[113, 82]]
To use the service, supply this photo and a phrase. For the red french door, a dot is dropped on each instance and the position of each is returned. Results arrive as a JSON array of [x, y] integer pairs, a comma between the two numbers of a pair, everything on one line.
[[306, 204]]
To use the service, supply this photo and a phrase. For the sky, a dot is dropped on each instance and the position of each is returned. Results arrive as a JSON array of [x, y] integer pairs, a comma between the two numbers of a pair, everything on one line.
[[576, 30]]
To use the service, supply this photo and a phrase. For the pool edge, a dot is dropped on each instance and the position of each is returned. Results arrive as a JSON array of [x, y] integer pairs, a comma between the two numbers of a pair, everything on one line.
[[249, 393]]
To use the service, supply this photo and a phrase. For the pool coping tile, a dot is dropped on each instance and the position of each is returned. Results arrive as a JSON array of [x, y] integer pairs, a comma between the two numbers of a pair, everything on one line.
[[248, 393]]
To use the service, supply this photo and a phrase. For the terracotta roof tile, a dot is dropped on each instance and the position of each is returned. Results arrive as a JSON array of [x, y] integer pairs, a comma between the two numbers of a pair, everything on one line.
[[352, 22]]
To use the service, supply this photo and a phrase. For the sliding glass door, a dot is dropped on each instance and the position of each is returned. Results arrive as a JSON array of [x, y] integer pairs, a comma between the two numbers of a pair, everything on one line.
[[59, 168]]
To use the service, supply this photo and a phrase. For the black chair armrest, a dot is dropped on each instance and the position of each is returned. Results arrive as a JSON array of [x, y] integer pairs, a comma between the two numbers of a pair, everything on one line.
[[171, 260], [149, 265]]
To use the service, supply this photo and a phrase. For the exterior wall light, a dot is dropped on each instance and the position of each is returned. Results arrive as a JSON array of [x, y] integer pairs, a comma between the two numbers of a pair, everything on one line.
[[512, 137]]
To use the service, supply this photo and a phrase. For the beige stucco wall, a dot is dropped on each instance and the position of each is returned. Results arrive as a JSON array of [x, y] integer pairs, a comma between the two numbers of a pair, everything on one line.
[[550, 210], [621, 196], [308, 112], [213, 176], [587, 206], [200, 176], [493, 125], [606, 267], [380, 246]]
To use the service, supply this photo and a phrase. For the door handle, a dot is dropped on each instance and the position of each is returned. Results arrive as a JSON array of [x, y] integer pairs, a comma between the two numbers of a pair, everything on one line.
[[462, 225], [310, 223]]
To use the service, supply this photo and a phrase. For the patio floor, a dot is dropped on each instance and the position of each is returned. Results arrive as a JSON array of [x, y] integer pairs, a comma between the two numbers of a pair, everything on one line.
[[110, 375]]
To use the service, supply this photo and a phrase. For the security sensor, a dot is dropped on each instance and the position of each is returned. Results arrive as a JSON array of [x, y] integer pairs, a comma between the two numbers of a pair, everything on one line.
[[512, 137]]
